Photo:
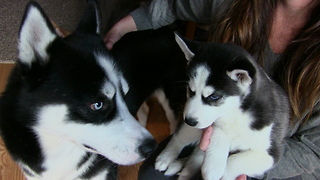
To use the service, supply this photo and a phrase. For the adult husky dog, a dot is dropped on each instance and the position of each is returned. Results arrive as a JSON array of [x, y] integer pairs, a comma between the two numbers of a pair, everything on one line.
[[67, 109], [248, 111]]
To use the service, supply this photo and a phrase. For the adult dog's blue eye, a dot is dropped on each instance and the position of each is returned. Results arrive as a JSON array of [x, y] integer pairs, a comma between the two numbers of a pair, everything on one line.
[[96, 106]]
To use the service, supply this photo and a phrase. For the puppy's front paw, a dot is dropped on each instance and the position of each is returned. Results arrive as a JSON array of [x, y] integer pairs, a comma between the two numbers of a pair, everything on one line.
[[193, 165], [211, 171], [175, 167], [210, 175], [164, 160], [228, 177]]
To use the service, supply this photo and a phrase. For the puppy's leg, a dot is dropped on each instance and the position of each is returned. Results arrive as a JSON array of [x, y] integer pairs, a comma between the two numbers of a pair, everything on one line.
[[215, 159], [184, 136], [143, 113], [252, 163], [162, 98], [101, 176], [176, 166], [31, 178], [173, 121], [187, 166], [193, 165]]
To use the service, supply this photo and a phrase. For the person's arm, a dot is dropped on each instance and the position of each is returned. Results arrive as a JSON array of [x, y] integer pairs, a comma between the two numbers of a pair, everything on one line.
[[157, 13], [301, 151]]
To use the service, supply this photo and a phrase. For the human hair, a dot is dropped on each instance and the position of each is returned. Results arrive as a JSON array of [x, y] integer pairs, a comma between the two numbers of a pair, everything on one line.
[[298, 70], [248, 24]]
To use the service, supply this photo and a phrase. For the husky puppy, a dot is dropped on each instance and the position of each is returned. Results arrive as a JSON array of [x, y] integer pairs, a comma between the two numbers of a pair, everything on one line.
[[248, 111], [66, 112]]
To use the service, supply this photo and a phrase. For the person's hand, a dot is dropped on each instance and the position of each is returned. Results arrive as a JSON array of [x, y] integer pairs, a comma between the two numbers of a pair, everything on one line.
[[121, 28], [242, 177], [204, 143], [205, 139]]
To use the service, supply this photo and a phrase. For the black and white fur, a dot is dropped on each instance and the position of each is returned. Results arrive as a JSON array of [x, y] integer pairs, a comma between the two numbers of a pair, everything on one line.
[[67, 109], [248, 111]]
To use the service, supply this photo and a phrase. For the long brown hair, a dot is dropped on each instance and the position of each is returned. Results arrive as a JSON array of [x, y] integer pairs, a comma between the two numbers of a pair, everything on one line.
[[248, 24], [299, 67]]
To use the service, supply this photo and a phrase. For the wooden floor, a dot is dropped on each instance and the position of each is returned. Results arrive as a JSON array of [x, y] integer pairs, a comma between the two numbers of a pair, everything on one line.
[[157, 125]]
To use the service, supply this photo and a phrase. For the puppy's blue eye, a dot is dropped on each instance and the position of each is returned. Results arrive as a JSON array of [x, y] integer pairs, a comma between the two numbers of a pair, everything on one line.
[[96, 106], [214, 97]]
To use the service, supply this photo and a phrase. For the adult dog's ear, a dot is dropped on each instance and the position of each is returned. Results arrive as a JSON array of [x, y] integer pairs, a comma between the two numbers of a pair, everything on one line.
[[90, 23], [36, 35], [188, 47]]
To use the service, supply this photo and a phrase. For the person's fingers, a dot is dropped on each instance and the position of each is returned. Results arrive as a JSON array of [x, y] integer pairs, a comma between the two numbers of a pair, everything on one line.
[[109, 45], [121, 28], [111, 38], [205, 139], [242, 177]]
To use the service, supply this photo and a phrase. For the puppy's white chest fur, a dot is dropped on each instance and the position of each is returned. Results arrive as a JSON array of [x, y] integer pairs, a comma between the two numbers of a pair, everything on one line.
[[236, 126]]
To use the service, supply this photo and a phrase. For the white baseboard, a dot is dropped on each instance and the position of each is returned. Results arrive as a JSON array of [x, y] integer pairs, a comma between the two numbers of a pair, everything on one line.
[[7, 62]]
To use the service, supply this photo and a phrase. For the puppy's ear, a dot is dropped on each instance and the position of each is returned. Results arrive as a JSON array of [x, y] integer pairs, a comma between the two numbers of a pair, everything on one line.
[[90, 23], [189, 48], [242, 71], [36, 35], [241, 76]]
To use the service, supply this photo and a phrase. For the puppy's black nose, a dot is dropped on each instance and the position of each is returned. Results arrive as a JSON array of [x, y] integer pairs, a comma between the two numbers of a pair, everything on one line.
[[191, 121], [147, 147]]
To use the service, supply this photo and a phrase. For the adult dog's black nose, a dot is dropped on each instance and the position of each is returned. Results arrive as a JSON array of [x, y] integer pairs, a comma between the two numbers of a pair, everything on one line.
[[147, 147], [191, 121]]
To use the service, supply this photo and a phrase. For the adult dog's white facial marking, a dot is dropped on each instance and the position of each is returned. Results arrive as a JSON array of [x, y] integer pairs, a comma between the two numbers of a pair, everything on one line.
[[60, 136], [56, 143], [114, 75], [124, 85], [108, 89]]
